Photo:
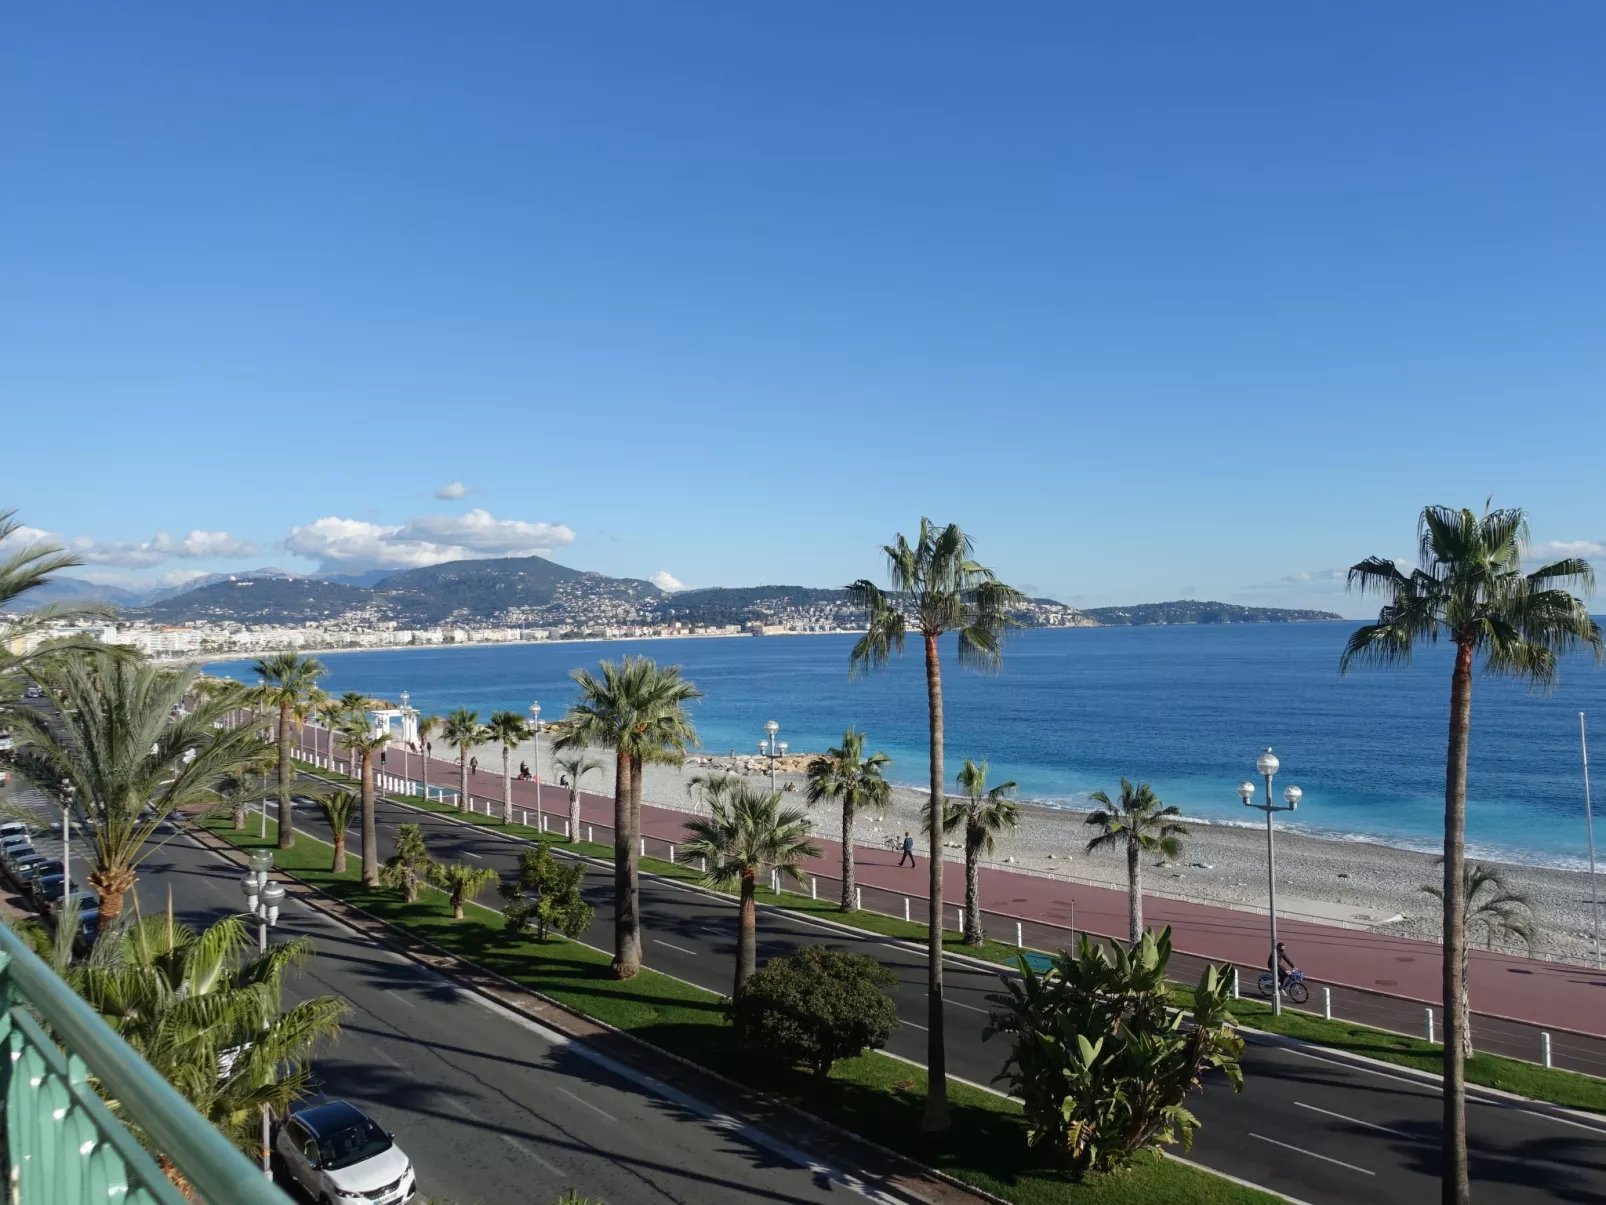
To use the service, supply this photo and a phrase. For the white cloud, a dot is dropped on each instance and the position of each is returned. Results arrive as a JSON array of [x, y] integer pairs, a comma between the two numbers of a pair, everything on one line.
[[140, 554], [1556, 550], [353, 544], [666, 581], [451, 490]]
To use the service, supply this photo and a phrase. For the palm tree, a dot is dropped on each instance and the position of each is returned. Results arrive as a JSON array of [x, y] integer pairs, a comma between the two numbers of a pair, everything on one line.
[[285, 681], [575, 767], [117, 736], [364, 744], [855, 781], [234, 791], [464, 730], [461, 883], [936, 585], [30, 567], [409, 863], [1488, 899], [746, 834], [337, 808], [428, 726], [983, 814], [1469, 586], [637, 710], [1140, 824], [511, 729], [330, 711]]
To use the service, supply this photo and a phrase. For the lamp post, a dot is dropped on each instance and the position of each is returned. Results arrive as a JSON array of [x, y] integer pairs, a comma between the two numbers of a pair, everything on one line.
[[768, 747], [262, 899], [404, 710], [535, 729], [66, 838], [1267, 765]]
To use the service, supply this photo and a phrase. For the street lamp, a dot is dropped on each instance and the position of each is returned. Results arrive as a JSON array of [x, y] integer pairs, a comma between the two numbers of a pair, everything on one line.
[[771, 749], [262, 899], [535, 726], [406, 778], [66, 838], [1267, 765]]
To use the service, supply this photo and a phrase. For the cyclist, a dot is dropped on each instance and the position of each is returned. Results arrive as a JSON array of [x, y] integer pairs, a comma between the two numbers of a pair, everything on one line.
[[1281, 960]]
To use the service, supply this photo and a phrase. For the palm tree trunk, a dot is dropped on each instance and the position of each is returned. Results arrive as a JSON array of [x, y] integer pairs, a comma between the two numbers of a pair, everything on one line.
[[574, 811], [110, 885], [338, 866], [287, 827], [1134, 903], [239, 814], [462, 778], [746, 934], [1457, 1186], [370, 837], [973, 933], [507, 788], [849, 895], [937, 1116], [626, 922], [457, 907]]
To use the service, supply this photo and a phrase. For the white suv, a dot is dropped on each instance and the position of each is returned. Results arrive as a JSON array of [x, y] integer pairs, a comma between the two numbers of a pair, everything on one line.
[[338, 1156]]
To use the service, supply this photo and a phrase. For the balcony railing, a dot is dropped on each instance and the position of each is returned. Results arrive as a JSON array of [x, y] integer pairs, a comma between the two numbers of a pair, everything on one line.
[[63, 1146]]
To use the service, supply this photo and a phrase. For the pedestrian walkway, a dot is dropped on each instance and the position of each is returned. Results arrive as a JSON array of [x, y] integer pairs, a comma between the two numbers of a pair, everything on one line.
[[1547, 995]]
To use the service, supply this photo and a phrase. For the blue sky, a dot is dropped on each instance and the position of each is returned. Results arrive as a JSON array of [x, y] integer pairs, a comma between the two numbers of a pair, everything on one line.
[[1159, 301]]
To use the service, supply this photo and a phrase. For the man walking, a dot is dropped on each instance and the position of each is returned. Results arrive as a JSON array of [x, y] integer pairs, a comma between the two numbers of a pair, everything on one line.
[[908, 850]]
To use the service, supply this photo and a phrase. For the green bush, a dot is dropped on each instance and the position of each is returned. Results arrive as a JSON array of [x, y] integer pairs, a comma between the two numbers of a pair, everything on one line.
[[545, 896], [815, 1006], [1101, 1057]]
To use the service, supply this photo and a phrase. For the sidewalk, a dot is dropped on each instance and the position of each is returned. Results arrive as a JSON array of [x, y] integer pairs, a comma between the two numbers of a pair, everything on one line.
[[1549, 995]]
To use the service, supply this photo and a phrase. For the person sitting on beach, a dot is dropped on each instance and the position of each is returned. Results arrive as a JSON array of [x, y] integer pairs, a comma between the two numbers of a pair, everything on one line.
[[908, 850], [1281, 960]]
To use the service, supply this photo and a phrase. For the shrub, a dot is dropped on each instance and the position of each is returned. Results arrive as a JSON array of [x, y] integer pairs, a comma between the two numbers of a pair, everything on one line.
[[545, 896], [815, 1006], [1102, 1061]]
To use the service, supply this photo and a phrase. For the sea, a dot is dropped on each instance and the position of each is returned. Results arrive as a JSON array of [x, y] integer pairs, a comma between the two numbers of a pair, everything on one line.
[[1071, 710]]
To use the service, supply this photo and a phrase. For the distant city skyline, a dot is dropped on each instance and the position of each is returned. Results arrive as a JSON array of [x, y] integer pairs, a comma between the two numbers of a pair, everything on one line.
[[1162, 303]]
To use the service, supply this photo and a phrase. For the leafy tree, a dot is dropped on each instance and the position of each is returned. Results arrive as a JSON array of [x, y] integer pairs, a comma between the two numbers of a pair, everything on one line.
[[545, 895], [408, 864], [981, 814], [461, 882], [1140, 824], [364, 744], [338, 807], [1505, 913], [639, 711], [846, 775], [285, 680], [815, 1006], [937, 587], [748, 833], [463, 730], [118, 735], [510, 728], [1469, 586], [1102, 1060], [575, 767]]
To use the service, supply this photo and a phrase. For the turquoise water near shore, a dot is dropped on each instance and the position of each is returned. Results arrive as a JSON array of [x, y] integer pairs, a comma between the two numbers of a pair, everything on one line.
[[1184, 708]]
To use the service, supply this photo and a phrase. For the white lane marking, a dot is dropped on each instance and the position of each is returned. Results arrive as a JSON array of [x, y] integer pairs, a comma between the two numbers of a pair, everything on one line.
[[715, 933], [971, 1007], [400, 998], [921, 1028], [1290, 1147], [1403, 1079], [1371, 1125], [524, 1149], [470, 853], [580, 1100], [682, 949]]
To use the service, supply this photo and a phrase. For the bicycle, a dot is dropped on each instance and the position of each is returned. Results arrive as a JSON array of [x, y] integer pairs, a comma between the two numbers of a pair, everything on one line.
[[1293, 986]]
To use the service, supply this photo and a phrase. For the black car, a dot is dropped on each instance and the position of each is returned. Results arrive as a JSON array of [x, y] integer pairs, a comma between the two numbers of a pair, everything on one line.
[[26, 869]]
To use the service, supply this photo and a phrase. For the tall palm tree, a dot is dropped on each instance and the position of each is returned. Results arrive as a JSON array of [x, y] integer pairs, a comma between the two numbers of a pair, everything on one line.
[[846, 775], [982, 814], [461, 882], [28, 568], [1504, 912], [338, 807], [511, 729], [463, 730], [428, 726], [1469, 586], [364, 745], [1139, 824], [639, 711], [330, 712], [116, 735], [747, 833], [408, 863], [284, 681], [575, 767], [938, 587]]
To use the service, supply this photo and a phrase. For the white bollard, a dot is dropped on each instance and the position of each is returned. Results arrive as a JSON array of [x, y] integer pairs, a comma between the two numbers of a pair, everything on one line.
[[588, 834], [1544, 1048], [1235, 995], [1429, 1013], [568, 836], [671, 855], [1327, 1004], [858, 898], [775, 881], [540, 821], [814, 888], [1019, 944], [644, 847], [702, 865], [905, 907], [959, 919]]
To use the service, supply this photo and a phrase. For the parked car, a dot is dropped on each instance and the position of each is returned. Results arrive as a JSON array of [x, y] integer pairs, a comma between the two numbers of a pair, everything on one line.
[[12, 848], [336, 1153], [12, 828], [25, 868], [48, 888]]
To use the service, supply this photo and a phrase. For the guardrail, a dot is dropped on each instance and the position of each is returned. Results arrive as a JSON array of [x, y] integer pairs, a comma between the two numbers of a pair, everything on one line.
[[63, 1145]]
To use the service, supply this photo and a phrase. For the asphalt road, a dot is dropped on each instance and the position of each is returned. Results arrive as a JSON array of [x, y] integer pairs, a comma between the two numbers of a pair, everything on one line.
[[1314, 1128]]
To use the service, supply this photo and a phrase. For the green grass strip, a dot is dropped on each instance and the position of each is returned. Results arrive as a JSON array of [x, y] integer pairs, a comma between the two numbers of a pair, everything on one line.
[[876, 1096]]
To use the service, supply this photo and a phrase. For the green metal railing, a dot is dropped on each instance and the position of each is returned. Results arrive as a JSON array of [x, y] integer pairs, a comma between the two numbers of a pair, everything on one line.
[[63, 1146]]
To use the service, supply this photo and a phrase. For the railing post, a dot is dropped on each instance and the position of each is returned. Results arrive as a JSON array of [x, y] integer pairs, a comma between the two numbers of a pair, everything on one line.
[[671, 854], [1019, 944], [1235, 994], [588, 834], [1544, 1048], [858, 899], [1429, 1013], [1327, 1004], [644, 847], [814, 888], [905, 907]]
